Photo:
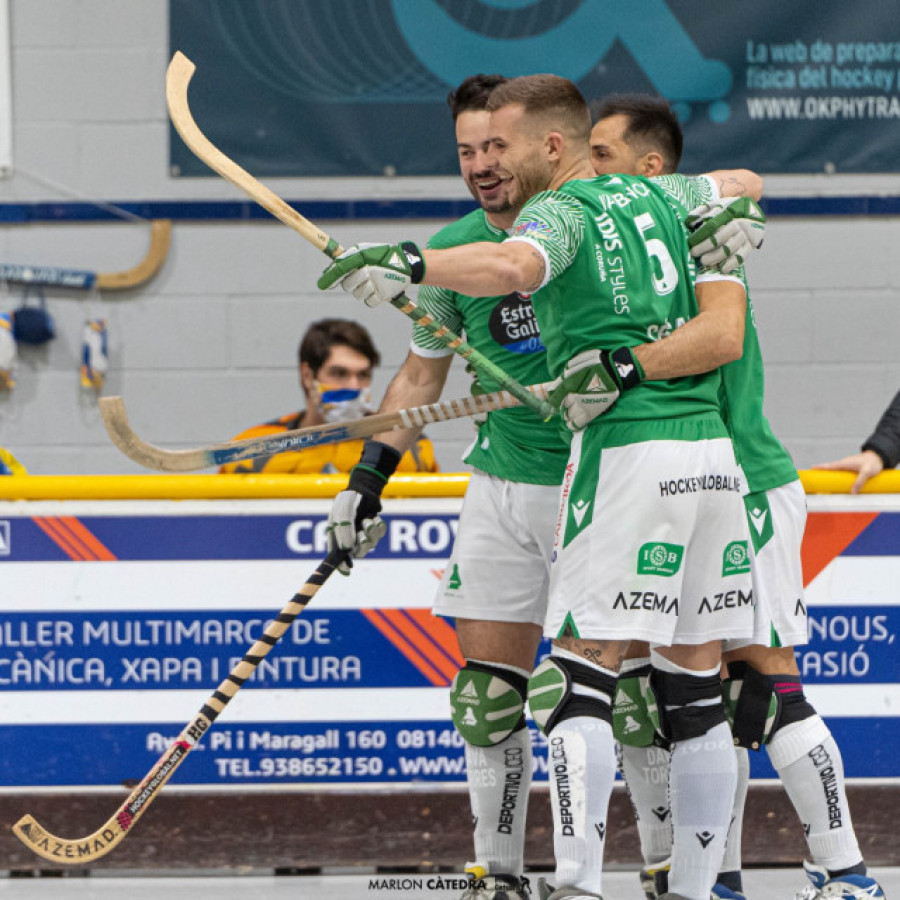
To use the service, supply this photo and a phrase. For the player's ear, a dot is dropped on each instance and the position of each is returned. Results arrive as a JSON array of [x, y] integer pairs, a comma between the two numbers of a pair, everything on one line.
[[651, 164], [307, 377], [554, 143]]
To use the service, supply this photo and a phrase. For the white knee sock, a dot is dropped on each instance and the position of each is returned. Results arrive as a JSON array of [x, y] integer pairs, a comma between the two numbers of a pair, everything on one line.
[[499, 780], [582, 768], [646, 774], [701, 783], [731, 862], [702, 780], [811, 769]]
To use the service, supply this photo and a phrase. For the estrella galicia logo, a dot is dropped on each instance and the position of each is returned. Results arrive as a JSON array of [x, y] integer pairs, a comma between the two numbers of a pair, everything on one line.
[[736, 559], [4, 539], [657, 558], [513, 326]]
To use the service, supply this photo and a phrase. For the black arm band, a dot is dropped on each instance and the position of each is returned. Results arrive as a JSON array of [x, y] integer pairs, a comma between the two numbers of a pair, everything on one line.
[[628, 370], [416, 263], [376, 465]]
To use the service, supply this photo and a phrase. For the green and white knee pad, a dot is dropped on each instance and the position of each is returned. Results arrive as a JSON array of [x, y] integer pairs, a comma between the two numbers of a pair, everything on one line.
[[561, 688], [487, 703], [632, 722]]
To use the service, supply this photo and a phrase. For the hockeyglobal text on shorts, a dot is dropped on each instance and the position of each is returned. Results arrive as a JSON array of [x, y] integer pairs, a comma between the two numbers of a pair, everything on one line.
[[699, 483]]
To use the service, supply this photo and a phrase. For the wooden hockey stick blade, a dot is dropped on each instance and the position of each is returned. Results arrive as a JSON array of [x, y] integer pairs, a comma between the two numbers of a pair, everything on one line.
[[118, 826], [83, 279], [160, 237], [178, 77], [115, 418]]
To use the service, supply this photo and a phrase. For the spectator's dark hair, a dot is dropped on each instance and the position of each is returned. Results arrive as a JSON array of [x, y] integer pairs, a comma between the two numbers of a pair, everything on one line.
[[321, 336], [557, 100], [472, 94], [652, 125]]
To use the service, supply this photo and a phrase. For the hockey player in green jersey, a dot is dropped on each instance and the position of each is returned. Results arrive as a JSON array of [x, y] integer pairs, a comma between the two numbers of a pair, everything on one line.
[[608, 266], [639, 134]]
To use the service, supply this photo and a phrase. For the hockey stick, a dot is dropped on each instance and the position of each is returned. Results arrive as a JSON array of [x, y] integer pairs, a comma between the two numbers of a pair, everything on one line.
[[82, 279], [114, 830], [178, 77], [115, 418]]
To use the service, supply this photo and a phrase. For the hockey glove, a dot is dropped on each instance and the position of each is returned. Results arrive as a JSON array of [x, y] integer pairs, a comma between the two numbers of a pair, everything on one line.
[[354, 524], [724, 232], [375, 273], [591, 383]]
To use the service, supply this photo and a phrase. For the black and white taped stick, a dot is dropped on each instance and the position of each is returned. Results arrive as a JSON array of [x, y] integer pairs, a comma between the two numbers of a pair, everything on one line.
[[115, 418], [178, 77], [118, 826]]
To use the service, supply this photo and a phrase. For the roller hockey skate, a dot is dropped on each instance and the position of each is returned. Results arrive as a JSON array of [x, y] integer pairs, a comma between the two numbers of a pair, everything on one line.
[[485, 886], [826, 886], [655, 884], [547, 892]]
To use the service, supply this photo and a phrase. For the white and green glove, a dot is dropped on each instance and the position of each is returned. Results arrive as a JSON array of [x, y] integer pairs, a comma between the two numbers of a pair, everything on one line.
[[354, 524], [724, 232], [375, 273], [592, 382]]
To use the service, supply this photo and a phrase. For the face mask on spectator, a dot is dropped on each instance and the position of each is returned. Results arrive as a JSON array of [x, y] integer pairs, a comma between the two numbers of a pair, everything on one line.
[[343, 404]]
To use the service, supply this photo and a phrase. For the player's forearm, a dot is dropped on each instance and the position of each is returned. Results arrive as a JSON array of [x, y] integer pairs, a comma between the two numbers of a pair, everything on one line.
[[485, 269], [737, 183], [418, 382], [712, 339], [885, 440]]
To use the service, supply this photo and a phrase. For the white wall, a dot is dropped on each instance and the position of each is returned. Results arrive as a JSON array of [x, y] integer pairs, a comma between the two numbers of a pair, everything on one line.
[[209, 346]]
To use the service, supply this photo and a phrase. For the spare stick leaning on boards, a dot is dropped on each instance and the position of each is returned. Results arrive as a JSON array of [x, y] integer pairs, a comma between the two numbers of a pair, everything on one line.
[[115, 418], [178, 77]]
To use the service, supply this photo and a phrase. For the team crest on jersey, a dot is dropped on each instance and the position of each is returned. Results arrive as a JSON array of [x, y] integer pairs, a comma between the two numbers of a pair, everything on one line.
[[532, 229], [513, 326]]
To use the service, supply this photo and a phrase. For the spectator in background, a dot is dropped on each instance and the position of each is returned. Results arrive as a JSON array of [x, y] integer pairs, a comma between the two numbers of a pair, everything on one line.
[[881, 450], [9, 465], [337, 357]]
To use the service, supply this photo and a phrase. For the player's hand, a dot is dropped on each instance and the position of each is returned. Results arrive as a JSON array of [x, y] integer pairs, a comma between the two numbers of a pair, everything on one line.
[[866, 464], [724, 232], [354, 524], [592, 382], [375, 273]]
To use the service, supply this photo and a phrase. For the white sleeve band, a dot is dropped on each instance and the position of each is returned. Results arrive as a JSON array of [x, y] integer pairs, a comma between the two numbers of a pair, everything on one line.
[[705, 277], [438, 353], [540, 249], [713, 187]]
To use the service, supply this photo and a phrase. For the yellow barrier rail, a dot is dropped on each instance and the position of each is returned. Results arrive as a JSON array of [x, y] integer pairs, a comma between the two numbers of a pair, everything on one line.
[[215, 487], [257, 487]]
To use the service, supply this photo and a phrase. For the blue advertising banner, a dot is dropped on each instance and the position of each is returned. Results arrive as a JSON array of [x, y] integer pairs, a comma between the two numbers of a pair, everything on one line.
[[117, 625], [339, 87]]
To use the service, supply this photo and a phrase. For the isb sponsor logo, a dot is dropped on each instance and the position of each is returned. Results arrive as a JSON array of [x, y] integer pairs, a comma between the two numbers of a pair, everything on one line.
[[658, 558], [736, 559]]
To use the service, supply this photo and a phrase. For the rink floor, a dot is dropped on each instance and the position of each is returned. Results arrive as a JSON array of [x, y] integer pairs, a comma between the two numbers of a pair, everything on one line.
[[760, 884]]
